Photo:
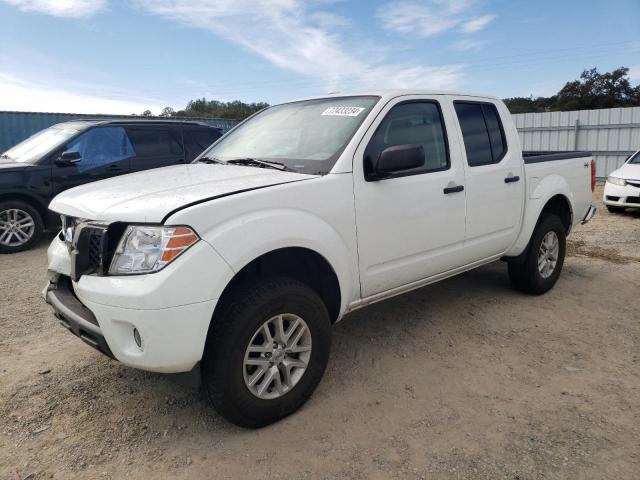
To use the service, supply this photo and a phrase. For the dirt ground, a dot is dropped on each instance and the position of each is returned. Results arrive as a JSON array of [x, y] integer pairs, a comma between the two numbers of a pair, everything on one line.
[[463, 379]]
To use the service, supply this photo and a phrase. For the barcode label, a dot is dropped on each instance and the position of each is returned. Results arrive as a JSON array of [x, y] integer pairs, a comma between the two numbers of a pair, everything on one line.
[[343, 111]]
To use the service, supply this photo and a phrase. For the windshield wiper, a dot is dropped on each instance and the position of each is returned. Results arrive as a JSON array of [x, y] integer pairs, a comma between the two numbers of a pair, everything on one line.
[[4, 155], [209, 160], [258, 163]]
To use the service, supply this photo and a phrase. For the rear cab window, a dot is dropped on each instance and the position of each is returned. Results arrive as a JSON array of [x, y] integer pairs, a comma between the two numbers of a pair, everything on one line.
[[482, 132]]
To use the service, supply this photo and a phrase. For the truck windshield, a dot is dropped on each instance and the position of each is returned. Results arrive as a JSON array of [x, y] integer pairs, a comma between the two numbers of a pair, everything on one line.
[[34, 147], [306, 136]]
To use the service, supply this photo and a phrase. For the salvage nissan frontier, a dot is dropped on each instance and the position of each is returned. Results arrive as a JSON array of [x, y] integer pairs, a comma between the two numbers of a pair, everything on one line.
[[240, 262]]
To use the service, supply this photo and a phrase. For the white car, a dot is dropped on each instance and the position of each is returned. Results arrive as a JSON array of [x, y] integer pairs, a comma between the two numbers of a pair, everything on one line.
[[241, 262], [622, 189]]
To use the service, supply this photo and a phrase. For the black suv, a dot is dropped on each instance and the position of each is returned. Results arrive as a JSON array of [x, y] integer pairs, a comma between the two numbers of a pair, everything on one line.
[[74, 153]]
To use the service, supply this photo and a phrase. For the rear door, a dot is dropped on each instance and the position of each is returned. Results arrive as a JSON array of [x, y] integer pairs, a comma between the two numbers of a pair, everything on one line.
[[409, 226], [197, 138], [494, 179], [156, 146], [104, 152]]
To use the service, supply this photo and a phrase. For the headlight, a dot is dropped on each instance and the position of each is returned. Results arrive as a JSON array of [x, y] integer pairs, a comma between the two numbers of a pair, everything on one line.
[[146, 249], [617, 181]]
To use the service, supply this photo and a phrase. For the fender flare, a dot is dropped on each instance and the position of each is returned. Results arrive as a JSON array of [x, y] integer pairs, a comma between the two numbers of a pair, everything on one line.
[[265, 230], [540, 192]]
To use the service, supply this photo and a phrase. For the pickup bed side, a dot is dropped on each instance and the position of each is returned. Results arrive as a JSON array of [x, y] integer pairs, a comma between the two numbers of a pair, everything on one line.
[[560, 183]]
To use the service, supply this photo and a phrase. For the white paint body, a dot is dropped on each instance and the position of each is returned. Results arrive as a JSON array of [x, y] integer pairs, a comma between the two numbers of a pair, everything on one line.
[[381, 238], [630, 172]]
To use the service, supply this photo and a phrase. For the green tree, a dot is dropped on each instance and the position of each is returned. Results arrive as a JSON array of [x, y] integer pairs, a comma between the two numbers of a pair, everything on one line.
[[592, 90]]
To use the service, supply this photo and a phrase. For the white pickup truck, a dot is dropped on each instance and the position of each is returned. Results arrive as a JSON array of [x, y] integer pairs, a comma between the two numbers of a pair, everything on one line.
[[240, 262]]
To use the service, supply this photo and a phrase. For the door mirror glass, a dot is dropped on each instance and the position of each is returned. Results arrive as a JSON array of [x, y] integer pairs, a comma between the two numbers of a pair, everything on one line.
[[399, 158], [68, 158]]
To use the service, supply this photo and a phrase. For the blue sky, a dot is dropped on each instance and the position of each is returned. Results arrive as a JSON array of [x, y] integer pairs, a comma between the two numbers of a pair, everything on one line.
[[124, 56]]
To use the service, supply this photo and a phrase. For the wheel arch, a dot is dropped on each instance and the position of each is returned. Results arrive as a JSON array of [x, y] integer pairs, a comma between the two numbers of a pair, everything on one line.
[[299, 263], [551, 195]]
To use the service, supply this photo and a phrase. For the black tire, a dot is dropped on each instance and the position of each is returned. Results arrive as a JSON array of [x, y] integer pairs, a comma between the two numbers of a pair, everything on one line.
[[614, 209], [243, 311], [525, 276], [38, 227]]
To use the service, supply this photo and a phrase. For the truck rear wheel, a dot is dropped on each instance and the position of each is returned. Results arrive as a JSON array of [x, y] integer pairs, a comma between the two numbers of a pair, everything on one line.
[[266, 352], [539, 271], [20, 226]]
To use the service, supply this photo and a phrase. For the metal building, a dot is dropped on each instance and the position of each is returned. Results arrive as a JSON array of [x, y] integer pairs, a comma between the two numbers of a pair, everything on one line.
[[16, 126], [612, 134]]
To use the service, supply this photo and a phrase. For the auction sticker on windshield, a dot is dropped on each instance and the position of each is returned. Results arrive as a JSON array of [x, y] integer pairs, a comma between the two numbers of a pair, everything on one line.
[[343, 111]]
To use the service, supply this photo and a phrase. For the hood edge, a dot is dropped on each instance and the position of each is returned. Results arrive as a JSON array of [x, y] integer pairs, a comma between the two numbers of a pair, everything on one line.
[[228, 194]]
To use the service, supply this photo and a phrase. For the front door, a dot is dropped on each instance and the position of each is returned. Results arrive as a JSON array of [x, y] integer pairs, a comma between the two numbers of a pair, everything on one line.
[[410, 226], [104, 152]]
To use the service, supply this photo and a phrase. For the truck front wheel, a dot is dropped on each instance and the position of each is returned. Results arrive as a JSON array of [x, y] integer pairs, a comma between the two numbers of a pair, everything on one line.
[[543, 262], [266, 352]]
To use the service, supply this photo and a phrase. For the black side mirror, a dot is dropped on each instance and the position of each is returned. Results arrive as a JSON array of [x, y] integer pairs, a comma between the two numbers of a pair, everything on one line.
[[396, 159], [68, 158]]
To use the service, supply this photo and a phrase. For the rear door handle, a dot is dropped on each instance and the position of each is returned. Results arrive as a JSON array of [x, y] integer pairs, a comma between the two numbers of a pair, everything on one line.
[[513, 179], [457, 188]]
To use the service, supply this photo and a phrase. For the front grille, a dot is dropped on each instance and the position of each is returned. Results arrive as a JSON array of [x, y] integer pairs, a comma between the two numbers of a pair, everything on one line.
[[88, 249], [94, 260], [633, 199]]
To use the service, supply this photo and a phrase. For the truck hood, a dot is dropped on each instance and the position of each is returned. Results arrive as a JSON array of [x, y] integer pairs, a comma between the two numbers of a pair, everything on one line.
[[629, 171], [151, 195]]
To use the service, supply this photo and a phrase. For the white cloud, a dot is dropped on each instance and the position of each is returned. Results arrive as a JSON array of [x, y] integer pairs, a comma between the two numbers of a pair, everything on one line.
[[477, 24], [61, 8], [431, 17], [288, 34], [634, 73], [469, 44], [20, 95], [424, 18]]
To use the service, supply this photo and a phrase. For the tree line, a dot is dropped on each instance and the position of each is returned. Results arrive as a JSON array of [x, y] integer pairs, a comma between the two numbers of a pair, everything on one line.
[[591, 90]]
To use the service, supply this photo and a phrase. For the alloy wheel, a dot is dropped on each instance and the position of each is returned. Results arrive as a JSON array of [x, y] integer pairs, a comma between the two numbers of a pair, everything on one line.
[[277, 356], [16, 227]]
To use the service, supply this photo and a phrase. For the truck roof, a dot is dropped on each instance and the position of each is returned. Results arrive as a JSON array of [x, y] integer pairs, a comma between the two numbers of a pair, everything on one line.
[[398, 92], [82, 123]]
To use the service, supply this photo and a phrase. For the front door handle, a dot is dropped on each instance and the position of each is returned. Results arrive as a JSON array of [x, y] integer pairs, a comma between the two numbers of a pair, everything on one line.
[[512, 179], [457, 188]]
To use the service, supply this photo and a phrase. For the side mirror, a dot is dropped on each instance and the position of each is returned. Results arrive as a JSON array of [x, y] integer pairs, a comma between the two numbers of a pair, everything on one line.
[[397, 158], [68, 158]]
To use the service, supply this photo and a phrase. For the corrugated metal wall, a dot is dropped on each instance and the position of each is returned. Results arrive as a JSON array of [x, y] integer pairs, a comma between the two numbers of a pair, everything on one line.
[[612, 134], [16, 126]]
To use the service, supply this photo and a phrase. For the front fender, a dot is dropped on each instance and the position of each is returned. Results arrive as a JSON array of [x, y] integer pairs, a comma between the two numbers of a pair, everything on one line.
[[246, 237], [539, 192]]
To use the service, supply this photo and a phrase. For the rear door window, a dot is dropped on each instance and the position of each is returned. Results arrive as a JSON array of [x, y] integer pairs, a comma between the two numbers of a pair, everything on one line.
[[156, 146], [197, 139], [484, 139]]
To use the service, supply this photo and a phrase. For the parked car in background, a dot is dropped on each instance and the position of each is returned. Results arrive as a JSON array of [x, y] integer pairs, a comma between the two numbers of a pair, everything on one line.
[[74, 153], [306, 211], [622, 189]]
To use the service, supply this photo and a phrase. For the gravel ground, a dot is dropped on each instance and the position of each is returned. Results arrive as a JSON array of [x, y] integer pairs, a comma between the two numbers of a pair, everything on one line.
[[463, 379]]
